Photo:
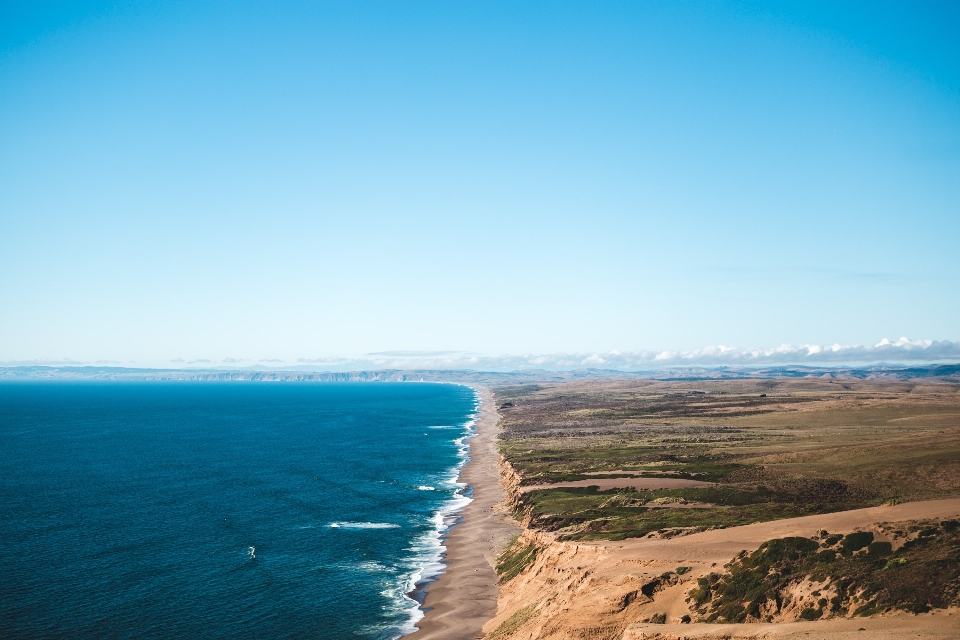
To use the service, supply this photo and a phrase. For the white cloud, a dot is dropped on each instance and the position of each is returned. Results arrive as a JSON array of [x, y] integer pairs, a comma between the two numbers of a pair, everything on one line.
[[903, 350], [324, 361], [64, 362]]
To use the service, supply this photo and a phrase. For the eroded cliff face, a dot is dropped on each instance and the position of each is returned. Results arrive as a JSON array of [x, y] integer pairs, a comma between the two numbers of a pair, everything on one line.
[[608, 590], [583, 590], [575, 590], [627, 589], [510, 480]]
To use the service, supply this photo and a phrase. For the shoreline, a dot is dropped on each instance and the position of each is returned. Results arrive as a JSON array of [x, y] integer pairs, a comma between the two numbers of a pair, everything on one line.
[[464, 597], [449, 516]]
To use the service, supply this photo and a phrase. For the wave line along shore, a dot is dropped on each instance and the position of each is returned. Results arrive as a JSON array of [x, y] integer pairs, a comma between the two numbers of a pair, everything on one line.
[[464, 597]]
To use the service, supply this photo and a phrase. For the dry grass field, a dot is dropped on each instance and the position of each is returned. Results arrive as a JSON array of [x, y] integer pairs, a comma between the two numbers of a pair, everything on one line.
[[751, 450]]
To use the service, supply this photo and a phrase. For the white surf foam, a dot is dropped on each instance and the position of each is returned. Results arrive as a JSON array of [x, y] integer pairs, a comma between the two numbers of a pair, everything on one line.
[[375, 567], [428, 550], [364, 525]]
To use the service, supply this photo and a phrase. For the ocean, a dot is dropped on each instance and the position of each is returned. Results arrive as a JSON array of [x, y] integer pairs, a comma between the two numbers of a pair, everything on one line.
[[225, 510]]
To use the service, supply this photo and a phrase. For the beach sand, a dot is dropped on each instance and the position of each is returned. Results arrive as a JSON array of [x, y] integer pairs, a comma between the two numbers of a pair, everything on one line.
[[465, 596]]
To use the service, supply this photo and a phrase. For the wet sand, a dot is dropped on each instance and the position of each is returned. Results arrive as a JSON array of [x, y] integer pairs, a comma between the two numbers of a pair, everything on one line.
[[465, 596]]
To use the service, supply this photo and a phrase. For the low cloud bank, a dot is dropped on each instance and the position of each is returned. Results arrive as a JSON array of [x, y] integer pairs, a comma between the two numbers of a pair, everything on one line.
[[904, 351]]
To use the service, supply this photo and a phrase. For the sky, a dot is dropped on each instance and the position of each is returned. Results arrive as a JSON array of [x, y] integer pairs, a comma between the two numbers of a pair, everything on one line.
[[231, 183]]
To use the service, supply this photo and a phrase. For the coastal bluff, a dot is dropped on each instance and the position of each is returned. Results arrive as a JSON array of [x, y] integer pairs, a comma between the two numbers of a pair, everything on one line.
[[631, 589], [730, 509]]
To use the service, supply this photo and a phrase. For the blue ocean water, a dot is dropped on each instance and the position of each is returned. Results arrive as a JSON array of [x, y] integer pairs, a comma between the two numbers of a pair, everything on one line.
[[224, 510]]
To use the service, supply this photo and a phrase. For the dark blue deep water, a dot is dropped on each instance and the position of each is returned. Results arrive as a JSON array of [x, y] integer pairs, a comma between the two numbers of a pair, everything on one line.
[[223, 510]]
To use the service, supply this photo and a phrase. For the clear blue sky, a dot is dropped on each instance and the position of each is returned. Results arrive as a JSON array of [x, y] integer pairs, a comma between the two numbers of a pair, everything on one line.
[[297, 180]]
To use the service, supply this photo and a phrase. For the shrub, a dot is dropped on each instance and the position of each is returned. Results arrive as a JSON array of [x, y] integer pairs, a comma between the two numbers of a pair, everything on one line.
[[920, 575], [701, 593], [856, 541], [879, 549], [827, 555], [810, 614]]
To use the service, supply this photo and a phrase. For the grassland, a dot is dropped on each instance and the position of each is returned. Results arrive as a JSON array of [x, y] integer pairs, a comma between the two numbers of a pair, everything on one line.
[[769, 449]]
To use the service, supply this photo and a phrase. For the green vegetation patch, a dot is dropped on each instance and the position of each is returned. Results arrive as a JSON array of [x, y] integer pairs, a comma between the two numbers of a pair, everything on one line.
[[515, 559], [776, 448], [542, 465], [856, 541], [512, 624], [586, 513], [923, 574]]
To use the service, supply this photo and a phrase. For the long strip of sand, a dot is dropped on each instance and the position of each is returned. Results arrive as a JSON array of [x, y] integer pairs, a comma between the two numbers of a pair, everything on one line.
[[465, 596]]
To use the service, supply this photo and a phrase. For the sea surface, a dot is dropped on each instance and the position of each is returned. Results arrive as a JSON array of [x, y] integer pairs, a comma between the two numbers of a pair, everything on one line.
[[224, 510]]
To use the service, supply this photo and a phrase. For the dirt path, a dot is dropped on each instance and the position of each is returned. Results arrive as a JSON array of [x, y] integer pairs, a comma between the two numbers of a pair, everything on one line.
[[465, 596]]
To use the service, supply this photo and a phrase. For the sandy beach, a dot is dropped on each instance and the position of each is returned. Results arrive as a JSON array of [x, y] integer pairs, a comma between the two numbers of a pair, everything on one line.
[[465, 596]]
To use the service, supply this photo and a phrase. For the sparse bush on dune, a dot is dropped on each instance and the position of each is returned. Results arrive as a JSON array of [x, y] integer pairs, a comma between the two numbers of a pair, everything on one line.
[[856, 541], [852, 576]]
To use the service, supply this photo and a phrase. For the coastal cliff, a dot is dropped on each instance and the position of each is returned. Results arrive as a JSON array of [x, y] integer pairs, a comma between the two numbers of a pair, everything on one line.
[[510, 479], [648, 588], [565, 589], [671, 510]]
